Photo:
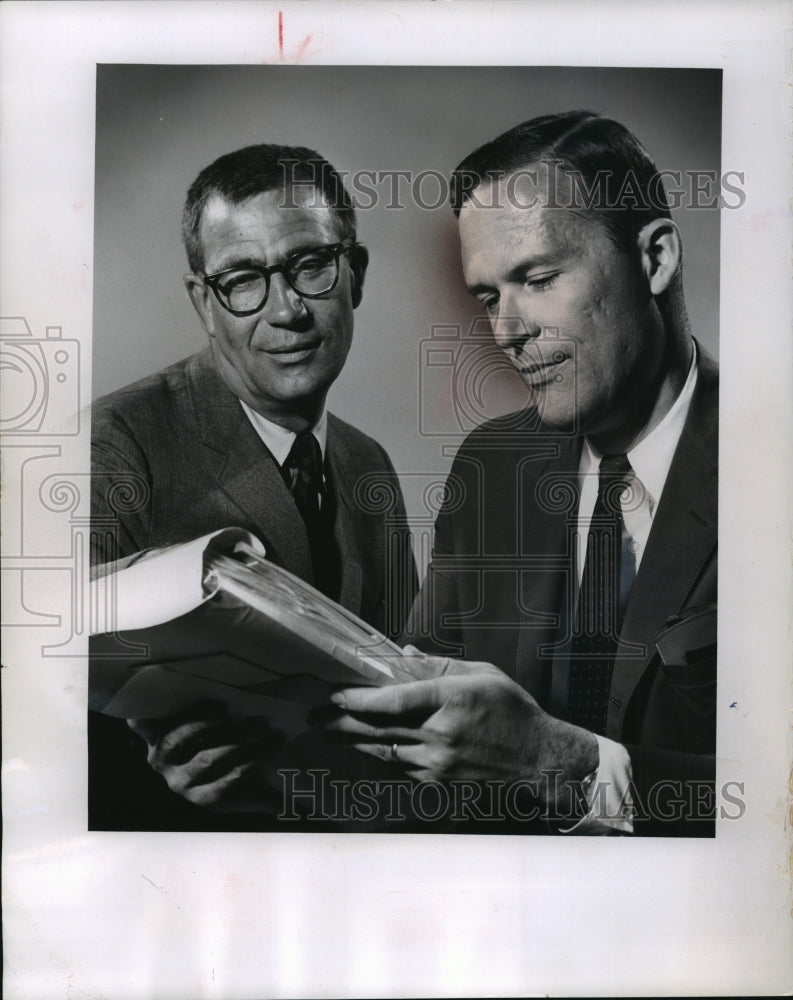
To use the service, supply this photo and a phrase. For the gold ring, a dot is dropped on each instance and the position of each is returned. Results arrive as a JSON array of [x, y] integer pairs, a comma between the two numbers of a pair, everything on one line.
[[395, 752]]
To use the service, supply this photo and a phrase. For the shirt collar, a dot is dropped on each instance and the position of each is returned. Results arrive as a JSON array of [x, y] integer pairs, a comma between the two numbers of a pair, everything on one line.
[[278, 439], [652, 457]]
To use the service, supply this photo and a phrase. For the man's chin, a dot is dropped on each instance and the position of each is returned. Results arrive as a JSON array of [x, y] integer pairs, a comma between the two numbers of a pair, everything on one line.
[[553, 411]]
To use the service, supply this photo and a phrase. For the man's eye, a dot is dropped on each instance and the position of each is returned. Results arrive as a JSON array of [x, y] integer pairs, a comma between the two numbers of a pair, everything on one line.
[[311, 264], [542, 282], [490, 304], [240, 281]]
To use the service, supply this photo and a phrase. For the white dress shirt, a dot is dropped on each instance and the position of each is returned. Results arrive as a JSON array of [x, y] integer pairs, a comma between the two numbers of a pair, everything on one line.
[[278, 439], [611, 809]]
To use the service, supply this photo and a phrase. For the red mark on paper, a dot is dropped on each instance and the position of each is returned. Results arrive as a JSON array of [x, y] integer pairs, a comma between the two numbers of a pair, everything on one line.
[[280, 34], [300, 50], [303, 46]]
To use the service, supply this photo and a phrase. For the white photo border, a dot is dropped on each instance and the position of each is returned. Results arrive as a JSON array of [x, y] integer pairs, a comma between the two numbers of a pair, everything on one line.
[[239, 915]]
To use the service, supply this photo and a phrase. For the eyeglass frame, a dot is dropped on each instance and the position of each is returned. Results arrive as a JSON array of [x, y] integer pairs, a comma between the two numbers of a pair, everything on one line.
[[337, 249]]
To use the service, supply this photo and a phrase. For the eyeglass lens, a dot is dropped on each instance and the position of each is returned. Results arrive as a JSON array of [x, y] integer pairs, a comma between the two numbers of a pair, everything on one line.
[[312, 273]]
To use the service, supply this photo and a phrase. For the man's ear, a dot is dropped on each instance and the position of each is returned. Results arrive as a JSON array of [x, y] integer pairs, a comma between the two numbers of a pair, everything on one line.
[[198, 294], [662, 253], [359, 261]]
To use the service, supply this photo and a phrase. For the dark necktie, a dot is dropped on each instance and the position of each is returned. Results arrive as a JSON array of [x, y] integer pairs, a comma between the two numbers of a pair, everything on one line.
[[608, 575], [302, 473]]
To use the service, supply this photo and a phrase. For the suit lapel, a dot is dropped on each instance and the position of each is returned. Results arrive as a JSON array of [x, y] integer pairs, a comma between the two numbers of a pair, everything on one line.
[[347, 528], [548, 514], [682, 541], [244, 468]]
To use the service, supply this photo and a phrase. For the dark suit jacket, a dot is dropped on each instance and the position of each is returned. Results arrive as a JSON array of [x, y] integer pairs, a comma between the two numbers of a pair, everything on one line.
[[502, 577], [175, 457]]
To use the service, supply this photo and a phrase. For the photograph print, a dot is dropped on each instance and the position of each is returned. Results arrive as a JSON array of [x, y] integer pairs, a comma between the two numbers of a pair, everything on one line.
[[419, 365]]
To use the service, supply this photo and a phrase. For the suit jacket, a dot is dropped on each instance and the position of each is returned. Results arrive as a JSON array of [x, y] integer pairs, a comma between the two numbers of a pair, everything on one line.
[[174, 457], [502, 577]]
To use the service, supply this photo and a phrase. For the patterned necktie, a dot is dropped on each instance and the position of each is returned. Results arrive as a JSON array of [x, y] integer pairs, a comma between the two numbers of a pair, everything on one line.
[[303, 475], [302, 472], [608, 575]]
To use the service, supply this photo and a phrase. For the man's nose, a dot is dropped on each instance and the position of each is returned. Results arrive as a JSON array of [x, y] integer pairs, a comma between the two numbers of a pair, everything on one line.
[[513, 327], [284, 306]]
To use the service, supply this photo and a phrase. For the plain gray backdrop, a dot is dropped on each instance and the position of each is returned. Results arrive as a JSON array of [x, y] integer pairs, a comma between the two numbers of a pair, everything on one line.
[[158, 126]]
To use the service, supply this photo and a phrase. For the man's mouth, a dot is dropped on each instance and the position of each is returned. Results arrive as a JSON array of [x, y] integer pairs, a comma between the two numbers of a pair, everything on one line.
[[294, 353], [542, 373]]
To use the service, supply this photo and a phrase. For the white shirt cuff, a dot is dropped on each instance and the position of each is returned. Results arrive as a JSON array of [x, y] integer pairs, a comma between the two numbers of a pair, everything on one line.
[[611, 809]]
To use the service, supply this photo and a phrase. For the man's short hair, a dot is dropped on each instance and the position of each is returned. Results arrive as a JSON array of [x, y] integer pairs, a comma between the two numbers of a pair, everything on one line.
[[614, 178], [253, 170]]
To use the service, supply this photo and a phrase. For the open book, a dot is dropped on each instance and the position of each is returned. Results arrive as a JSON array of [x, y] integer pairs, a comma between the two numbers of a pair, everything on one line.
[[213, 619]]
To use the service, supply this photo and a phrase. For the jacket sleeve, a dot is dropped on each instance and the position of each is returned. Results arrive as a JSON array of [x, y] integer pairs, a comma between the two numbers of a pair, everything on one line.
[[120, 489], [433, 623]]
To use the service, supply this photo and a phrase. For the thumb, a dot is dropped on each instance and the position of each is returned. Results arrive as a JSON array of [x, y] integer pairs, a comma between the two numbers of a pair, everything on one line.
[[470, 668], [396, 699], [424, 666]]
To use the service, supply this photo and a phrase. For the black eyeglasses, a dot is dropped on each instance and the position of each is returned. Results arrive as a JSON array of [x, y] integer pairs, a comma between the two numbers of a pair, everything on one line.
[[311, 273]]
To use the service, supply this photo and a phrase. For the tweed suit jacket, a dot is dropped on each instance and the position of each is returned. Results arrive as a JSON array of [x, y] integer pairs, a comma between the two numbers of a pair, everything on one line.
[[174, 457]]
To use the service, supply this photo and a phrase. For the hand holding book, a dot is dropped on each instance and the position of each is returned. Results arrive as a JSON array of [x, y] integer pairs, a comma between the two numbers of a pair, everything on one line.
[[219, 657]]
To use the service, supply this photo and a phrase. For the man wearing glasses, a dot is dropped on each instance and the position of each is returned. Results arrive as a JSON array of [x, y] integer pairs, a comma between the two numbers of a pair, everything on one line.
[[238, 434]]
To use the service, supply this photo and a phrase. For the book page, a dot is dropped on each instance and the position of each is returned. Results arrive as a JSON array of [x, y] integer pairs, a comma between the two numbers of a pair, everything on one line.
[[162, 585]]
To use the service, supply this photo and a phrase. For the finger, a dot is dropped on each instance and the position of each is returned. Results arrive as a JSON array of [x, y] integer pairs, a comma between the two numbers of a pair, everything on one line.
[[220, 790], [181, 744], [237, 793], [408, 668], [422, 697], [411, 665], [207, 766], [407, 755], [361, 727], [213, 764], [152, 729], [185, 742], [420, 761], [423, 666], [445, 666], [410, 758]]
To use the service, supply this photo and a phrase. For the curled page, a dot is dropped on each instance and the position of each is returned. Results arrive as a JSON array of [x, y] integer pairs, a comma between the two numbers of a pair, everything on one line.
[[164, 584], [214, 619]]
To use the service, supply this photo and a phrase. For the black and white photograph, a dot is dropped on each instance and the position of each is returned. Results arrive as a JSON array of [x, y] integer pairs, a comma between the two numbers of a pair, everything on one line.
[[563, 358], [376, 407]]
